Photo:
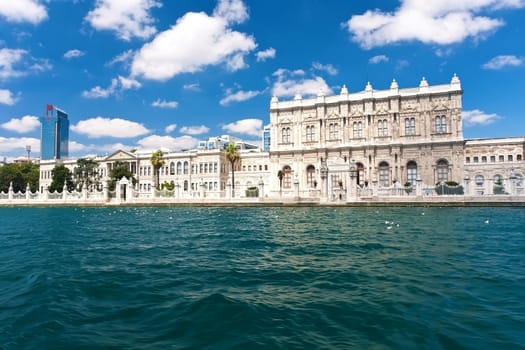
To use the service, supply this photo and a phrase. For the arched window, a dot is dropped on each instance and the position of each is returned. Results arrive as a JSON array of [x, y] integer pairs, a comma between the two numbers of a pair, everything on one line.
[[382, 128], [412, 172], [310, 131], [287, 179], [441, 124], [179, 168], [310, 176], [410, 126], [384, 174], [498, 179], [479, 180], [358, 130], [185, 168], [172, 168], [442, 170], [333, 131], [286, 135]]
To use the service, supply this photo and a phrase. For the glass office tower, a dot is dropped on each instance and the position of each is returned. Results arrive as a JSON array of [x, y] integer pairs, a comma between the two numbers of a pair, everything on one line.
[[54, 140]]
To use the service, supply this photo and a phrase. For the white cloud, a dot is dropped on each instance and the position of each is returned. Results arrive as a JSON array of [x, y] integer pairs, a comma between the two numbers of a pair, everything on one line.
[[74, 53], [172, 143], [170, 128], [233, 11], [7, 97], [195, 42], [192, 87], [290, 83], [23, 11], [251, 126], [9, 58], [129, 19], [238, 96], [266, 54], [23, 125], [504, 61], [11, 144], [477, 117], [74, 147], [328, 68], [124, 58], [194, 130], [430, 22], [117, 85], [165, 104], [378, 59], [107, 127]]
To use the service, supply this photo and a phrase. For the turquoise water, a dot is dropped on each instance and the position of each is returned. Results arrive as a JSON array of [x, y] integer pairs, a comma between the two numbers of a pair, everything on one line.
[[262, 278]]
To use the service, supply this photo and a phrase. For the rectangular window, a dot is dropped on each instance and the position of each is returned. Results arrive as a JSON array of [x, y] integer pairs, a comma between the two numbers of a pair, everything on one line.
[[493, 159], [484, 159], [510, 158], [476, 160], [467, 160], [358, 130], [501, 158]]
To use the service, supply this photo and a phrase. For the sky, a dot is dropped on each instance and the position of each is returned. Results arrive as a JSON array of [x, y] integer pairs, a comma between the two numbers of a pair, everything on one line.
[[150, 74]]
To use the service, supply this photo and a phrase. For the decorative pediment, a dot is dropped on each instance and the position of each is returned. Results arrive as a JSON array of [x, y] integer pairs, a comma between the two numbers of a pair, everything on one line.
[[285, 120], [440, 107], [121, 155], [333, 115], [337, 164], [309, 115]]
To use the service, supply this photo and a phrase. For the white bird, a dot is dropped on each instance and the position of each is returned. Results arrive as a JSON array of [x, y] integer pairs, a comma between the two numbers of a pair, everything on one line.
[[389, 227], [486, 221]]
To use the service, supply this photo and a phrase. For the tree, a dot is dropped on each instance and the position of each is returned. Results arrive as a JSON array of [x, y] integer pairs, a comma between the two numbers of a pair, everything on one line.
[[233, 156], [86, 173], [157, 161], [61, 175], [120, 170], [20, 175], [280, 175]]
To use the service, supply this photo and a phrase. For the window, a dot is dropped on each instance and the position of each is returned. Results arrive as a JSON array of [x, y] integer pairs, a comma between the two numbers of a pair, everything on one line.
[[476, 160], [493, 159], [479, 180], [185, 168], [382, 128], [286, 135], [442, 170], [441, 124], [467, 160], [509, 158], [358, 130], [384, 174], [287, 179], [518, 158], [333, 131], [172, 168], [310, 130], [501, 158], [410, 126], [519, 180], [310, 176], [483, 159], [412, 172]]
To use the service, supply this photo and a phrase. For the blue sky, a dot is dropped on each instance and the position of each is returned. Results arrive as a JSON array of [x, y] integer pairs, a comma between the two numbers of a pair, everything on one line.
[[163, 73]]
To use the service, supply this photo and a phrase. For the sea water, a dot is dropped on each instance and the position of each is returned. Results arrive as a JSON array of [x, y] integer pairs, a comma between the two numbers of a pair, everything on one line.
[[262, 278]]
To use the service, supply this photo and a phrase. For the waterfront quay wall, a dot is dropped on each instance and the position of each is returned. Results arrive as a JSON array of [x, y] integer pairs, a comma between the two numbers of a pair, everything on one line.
[[98, 199]]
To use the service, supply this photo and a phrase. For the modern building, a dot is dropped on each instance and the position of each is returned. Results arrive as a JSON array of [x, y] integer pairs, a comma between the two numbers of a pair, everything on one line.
[[266, 138], [54, 139]]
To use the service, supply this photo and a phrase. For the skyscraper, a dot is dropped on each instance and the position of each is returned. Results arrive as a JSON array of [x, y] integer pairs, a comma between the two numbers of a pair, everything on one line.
[[54, 140]]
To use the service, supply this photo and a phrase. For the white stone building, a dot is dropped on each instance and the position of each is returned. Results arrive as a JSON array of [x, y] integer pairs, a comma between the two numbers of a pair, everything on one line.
[[342, 148]]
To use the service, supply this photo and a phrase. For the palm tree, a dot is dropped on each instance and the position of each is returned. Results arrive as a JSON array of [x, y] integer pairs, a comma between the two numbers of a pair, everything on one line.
[[157, 161], [280, 175], [233, 156]]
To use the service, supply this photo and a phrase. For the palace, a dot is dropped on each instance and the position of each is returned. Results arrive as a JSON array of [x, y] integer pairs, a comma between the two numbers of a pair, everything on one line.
[[341, 148]]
